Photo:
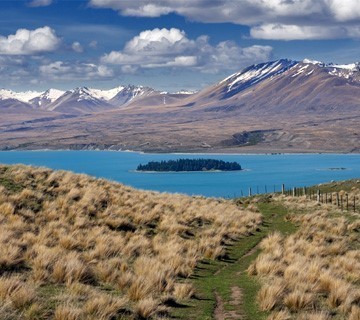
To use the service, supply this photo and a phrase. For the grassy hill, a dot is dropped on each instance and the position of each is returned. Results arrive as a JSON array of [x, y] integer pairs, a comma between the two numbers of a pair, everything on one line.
[[75, 247]]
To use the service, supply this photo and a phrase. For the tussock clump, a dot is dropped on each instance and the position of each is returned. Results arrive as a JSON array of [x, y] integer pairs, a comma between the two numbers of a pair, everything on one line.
[[313, 273], [65, 312], [280, 315], [183, 291], [100, 250], [146, 308], [271, 295]]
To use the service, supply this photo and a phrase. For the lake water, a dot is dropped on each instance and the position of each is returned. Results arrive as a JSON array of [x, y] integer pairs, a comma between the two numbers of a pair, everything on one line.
[[260, 170]]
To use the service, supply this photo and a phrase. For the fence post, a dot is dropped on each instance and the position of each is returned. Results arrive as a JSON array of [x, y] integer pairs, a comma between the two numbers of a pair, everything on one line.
[[282, 189], [304, 191], [337, 199], [326, 200], [250, 192], [318, 196], [341, 199], [347, 202], [354, 204]]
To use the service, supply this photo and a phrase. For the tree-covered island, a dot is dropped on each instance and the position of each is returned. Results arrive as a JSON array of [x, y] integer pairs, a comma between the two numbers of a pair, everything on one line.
[[189, 165]]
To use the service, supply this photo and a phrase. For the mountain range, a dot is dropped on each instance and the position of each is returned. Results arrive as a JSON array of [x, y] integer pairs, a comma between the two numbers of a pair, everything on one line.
[[81, 100], [282, 105]]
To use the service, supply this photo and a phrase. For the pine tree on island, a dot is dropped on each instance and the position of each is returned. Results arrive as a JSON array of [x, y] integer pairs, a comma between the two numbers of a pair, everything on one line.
[[189, 165]]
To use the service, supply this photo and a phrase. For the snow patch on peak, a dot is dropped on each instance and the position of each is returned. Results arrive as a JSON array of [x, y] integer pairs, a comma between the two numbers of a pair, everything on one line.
[[52, 95], [351, 66], [347, 71], [21, 96], [185, 92], [257, 73], [309, 61], [106, 95], [300, 70]]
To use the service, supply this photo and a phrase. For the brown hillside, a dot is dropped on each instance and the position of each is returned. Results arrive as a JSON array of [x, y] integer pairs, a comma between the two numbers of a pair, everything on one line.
[[73, 247]]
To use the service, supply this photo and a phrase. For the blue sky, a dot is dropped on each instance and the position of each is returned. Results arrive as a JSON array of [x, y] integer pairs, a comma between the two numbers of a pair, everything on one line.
[[166, 44]]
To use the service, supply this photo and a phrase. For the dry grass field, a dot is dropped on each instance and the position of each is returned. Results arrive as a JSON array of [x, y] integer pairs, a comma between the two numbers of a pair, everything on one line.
[[315, 272], [73, 247], [77, 248]]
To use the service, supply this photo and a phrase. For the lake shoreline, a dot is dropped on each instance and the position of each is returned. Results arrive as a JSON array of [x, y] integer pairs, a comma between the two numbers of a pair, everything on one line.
[[260, 171], [215, 153]]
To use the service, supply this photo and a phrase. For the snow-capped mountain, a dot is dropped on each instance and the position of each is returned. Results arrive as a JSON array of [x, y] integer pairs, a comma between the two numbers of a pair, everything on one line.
[[43, 100], [79, 101], [89, 100], [105, 95], [16, 100], [76, 101], [285, 87], [269, 70], [276, 86], [20, 96], [129, 93], [255, 74]]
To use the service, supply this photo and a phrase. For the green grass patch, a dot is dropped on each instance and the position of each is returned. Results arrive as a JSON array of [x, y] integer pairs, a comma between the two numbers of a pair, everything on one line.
[[221, 276], [7, 182], [10, 185]]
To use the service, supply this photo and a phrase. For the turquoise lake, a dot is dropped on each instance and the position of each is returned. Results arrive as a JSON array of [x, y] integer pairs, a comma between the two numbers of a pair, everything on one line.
[[260, 170]]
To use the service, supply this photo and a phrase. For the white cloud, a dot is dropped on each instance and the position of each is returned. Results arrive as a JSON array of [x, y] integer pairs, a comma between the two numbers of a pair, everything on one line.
[[297, 15], [77, 47], [157, 39], [40, 3], [171, 48], [27, 42], [344, 10], [74, 71], [293, 32], [274, 31]]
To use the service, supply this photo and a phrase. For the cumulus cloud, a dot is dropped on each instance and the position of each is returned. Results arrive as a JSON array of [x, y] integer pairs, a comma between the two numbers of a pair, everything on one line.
[[27, 42], [77, 47], [40, 3], [171, 48], [73, 71], [293, 15]]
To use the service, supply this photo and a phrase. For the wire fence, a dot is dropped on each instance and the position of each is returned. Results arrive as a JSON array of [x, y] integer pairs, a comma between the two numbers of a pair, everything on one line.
[[342, 200]]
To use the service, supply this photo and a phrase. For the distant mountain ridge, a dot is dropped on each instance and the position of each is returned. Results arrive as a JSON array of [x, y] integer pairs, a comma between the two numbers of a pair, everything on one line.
[[85, 100], [257, 73], [283, 87], [276, 106], [277, 86], [78, 100]]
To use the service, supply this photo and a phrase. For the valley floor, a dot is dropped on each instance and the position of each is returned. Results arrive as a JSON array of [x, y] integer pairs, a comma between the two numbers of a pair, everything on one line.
[[176, 131]]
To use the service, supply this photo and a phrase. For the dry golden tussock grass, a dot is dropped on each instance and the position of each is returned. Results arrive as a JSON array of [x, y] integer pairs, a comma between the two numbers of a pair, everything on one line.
[[314, 273], [74, 247]]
